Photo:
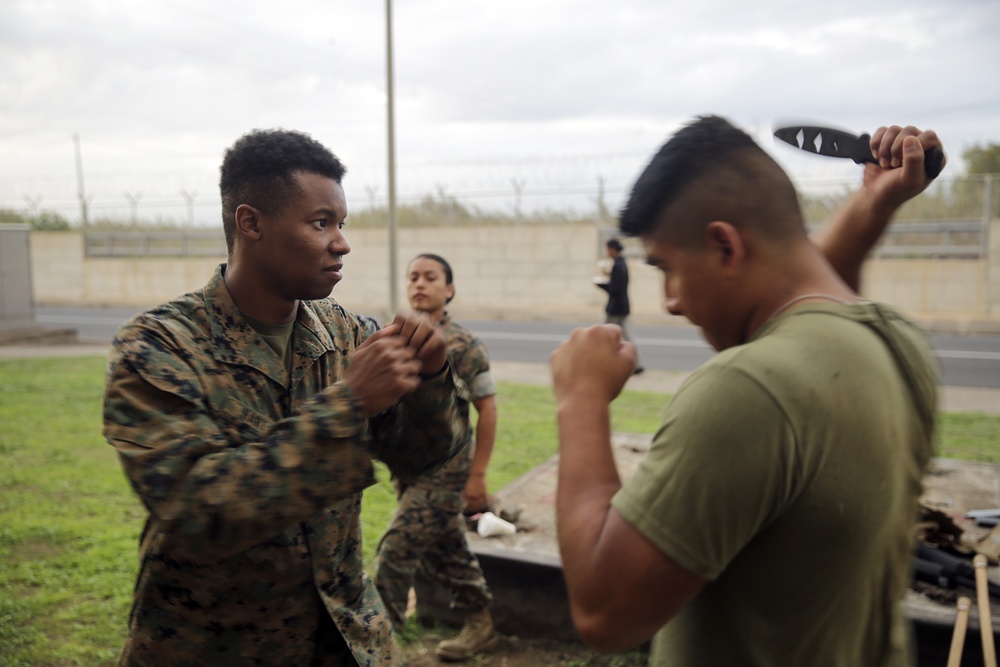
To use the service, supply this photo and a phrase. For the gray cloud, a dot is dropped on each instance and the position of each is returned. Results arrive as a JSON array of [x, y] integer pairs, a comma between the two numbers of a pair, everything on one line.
[[552, 92]]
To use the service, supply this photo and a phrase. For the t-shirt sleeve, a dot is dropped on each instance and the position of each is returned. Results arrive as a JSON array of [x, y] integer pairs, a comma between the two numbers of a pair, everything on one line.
[[483, 386], [721, 468], [472, 364]]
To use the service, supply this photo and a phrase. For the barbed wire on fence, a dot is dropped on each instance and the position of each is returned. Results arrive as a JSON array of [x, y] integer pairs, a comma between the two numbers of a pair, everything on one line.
[[173, 201]]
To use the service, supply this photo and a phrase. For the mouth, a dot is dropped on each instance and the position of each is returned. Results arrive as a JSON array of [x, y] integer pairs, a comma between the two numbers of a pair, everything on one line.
[[335, 271]]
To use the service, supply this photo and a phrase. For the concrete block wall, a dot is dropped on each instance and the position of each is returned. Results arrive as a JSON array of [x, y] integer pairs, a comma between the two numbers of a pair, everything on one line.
[[57, 267], [926, 286], [503, 271]]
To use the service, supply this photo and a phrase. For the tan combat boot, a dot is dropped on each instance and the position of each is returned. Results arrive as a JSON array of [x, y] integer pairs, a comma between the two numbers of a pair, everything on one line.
[[477, 635]]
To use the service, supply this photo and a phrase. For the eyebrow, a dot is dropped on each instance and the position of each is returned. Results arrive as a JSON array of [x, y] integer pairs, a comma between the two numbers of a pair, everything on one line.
[[330, 213]]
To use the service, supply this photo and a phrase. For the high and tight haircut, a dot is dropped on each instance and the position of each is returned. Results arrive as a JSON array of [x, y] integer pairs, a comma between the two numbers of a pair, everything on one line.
[[711, 170], [259, 170], [449, 277]]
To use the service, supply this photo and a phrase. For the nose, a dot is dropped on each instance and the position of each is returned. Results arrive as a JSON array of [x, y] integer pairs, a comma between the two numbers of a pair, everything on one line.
[[339, 244], [673, 306]]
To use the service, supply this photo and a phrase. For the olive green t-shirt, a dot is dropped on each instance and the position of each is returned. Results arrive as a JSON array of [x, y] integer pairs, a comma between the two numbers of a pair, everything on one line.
[[278, 337], [786, 473]]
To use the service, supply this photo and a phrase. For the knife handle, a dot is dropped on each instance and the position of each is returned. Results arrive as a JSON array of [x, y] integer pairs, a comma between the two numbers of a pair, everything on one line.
[[933, 162], [933, 158]]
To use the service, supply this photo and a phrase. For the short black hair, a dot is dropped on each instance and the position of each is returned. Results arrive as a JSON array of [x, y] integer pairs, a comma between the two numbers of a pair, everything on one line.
[[259, 170], [614, 244], [712, 170], [449, 277]]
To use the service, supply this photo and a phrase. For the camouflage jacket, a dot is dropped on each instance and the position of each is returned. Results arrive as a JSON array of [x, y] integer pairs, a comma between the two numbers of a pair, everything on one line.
[[468, 358], [253, 483], [470, 362]]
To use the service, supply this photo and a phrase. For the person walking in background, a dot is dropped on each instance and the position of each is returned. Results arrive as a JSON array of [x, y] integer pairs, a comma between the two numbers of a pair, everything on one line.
[[246, 416], [617, 310], [427, 533], [772, 522]]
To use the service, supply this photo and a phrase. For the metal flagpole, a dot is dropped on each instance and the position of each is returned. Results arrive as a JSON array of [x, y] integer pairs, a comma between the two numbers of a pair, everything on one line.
[[393, 278]]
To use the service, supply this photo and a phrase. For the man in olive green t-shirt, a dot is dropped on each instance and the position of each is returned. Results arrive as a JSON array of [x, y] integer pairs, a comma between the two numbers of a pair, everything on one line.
[[771, 522]]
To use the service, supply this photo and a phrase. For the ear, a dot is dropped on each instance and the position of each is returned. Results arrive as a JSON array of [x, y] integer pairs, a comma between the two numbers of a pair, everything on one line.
[[248, 221], [728, 245], [451, 293]]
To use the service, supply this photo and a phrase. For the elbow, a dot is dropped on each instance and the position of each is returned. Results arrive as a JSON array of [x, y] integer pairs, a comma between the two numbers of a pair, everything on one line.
[[600, 632]]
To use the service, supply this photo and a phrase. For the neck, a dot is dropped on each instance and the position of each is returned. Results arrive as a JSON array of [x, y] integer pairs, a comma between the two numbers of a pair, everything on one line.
[[256, 300], [805, 278], [813, 296]]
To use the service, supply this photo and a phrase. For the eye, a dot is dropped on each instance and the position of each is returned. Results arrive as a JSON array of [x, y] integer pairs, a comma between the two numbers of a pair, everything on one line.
[[320, 223]]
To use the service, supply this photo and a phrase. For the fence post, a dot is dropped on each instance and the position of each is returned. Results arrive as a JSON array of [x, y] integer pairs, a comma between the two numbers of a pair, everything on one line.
[[991, 248], [987, 212]]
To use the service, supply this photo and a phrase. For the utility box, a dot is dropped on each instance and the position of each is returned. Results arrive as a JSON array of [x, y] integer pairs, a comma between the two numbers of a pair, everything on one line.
[[17, 302]]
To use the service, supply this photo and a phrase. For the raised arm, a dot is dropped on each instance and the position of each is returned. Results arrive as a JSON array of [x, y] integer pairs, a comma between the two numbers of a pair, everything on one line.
[[214, 475], [218, 477], [621, 587], [850, 234], [425, 428]]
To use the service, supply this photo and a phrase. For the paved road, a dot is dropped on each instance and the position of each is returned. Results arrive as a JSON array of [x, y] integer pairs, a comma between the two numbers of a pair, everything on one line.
[[966, 361]]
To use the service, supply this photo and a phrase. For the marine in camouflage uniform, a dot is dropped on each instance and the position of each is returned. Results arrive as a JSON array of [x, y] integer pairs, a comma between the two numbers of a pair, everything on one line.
[[249, 432], [251, 553], [428, 530]]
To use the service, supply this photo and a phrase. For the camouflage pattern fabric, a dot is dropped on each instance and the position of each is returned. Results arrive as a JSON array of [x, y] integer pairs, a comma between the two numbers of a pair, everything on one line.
[[427, 532], [251, 553]]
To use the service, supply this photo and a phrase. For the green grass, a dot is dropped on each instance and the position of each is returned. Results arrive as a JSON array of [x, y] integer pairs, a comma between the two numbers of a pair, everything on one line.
[[69, 522], [972, 437], [526, 437]]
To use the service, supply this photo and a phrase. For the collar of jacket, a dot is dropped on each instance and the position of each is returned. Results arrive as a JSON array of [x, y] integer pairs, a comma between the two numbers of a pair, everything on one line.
[[234, 341]]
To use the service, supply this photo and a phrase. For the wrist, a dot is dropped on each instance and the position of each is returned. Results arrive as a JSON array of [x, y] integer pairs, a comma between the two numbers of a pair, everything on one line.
[[880, 202], [580, 400], [438, 373], [883, 208]]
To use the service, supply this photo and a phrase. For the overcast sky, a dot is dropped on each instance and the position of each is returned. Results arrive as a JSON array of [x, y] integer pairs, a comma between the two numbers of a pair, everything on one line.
[[543, 95]]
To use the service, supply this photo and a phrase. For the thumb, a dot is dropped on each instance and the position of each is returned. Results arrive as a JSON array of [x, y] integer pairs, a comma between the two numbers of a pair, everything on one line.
[[913, 160]]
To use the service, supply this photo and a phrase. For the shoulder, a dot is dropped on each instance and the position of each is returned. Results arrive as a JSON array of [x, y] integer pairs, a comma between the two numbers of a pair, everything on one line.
[[166, 347], [821, 334], [467, 353], [462, 341], [183, 321], [456, 332], [726, 385]]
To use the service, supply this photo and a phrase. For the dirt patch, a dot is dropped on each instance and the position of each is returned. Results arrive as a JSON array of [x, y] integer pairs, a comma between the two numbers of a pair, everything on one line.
[[516, 652]]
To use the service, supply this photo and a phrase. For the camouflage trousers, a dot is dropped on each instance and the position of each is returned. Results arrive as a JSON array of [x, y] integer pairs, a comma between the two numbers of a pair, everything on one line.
[[427, 534]]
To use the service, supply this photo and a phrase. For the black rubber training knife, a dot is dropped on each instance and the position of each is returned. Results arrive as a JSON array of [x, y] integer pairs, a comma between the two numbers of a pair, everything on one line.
[[838, 143]]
